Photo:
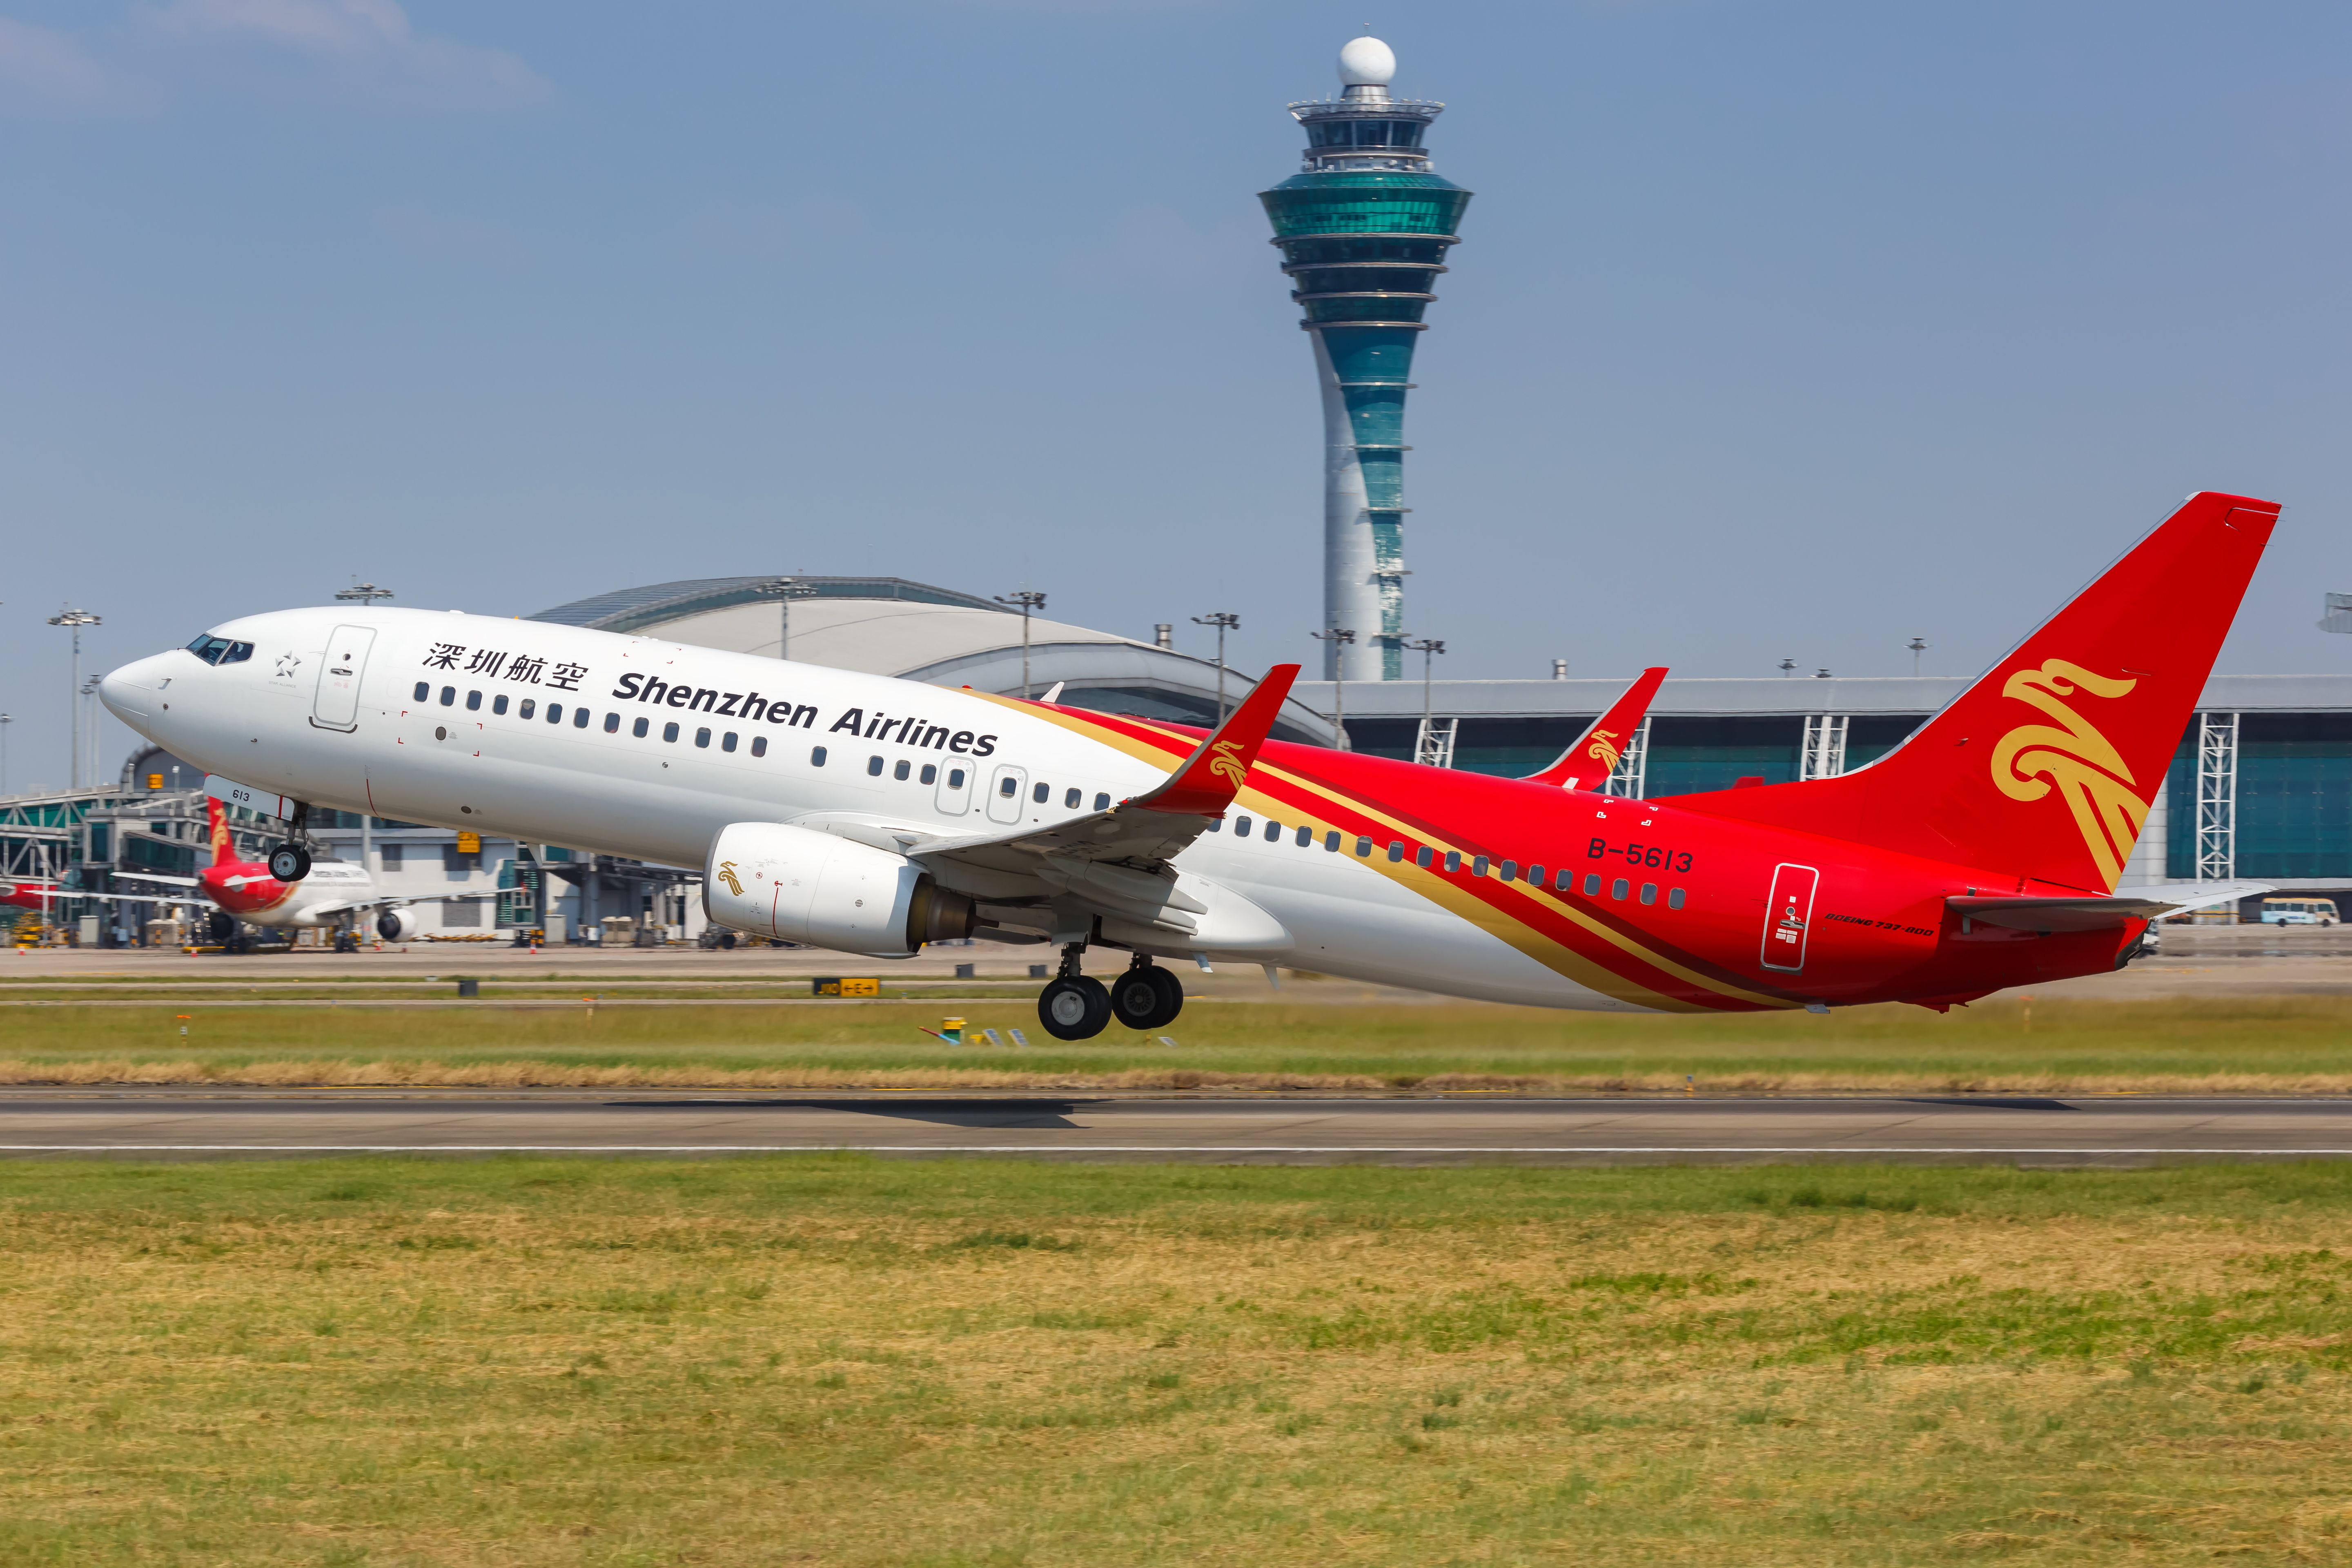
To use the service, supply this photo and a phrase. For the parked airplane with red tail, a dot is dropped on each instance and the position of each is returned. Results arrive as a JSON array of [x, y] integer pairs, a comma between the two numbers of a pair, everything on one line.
[[871, 815], [330, 894]]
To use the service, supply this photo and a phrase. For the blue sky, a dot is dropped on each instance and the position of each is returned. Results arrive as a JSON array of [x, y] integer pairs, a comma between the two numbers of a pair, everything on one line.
[[1779, 330]]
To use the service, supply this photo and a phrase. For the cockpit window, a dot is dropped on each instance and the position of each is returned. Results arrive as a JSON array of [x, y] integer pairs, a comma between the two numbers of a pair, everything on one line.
[[209, 648], [238, 652]]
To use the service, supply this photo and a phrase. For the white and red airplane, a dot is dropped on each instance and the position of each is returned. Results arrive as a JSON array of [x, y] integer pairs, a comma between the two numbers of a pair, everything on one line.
[[871, 815], [332, 894]]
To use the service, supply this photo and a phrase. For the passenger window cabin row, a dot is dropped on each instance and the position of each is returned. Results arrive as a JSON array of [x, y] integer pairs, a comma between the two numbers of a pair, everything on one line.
[[581, 717], [1427, 857]]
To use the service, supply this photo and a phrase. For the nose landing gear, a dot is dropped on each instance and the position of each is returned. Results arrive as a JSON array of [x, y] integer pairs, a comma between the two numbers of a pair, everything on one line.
[[290, 861]]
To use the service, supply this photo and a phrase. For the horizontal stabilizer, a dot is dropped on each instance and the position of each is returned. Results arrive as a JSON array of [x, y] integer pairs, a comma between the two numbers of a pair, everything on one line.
[[2151, 902]]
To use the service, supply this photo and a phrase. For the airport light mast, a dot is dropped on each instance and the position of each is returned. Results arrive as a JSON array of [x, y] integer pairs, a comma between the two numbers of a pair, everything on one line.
[[1363, 231]]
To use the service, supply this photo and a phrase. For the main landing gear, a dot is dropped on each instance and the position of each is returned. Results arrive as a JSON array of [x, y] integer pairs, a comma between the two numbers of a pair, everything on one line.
[[1076, 1006], [1147, 996]]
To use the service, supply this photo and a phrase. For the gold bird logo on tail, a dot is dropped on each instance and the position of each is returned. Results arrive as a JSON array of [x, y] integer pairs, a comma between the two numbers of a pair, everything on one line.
[[2090, 773], [1604, 748]]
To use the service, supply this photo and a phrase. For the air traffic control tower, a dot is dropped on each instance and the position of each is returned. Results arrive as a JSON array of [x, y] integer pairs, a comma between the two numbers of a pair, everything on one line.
[[1363, 231]]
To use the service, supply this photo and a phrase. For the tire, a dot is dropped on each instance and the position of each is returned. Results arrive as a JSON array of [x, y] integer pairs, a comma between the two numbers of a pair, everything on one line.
[[289, 863], [221, 926], [1076, 1009], [1147, 997]]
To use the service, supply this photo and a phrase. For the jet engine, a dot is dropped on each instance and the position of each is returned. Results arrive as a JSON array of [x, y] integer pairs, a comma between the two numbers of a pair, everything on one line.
[[798, 885], [397, 925]]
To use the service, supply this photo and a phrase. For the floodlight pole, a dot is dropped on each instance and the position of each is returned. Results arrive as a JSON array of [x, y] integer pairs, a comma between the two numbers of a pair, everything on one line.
[[785, 590], [1338, 637], [1224, 621], [5, 719], [1918, 647], [1025, 600], [75, 619], [365, 594], [90, 729], [1429, 648]]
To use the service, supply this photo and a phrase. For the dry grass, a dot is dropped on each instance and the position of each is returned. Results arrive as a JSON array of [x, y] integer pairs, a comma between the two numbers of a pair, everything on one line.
[[829, 1361], [2262, 1045]]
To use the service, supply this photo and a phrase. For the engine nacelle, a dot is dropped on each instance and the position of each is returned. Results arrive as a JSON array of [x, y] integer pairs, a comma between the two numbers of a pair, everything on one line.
[[397, 925], [797, 885]]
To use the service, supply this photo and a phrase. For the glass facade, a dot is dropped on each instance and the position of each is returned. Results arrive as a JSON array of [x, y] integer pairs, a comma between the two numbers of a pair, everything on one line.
[[2294, 798], [1687, 755]]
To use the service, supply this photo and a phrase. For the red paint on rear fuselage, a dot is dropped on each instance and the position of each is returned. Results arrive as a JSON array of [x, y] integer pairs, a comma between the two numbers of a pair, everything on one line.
[[1879, 932]]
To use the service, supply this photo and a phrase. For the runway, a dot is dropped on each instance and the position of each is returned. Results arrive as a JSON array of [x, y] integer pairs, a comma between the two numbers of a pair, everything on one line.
[[1296, 1129]]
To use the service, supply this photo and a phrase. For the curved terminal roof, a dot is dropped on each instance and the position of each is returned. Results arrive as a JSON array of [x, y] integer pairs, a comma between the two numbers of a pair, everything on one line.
[[889, 625]]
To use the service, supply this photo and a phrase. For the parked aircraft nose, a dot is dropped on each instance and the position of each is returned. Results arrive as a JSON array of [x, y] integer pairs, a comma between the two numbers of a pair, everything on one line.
[[132, 692]]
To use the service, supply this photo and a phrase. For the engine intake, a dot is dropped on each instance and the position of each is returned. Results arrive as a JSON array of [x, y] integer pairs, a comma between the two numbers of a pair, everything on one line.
[[797, 885]]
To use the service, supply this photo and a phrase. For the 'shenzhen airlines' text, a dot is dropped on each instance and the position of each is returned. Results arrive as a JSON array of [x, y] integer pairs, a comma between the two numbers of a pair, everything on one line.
[[905, 730]]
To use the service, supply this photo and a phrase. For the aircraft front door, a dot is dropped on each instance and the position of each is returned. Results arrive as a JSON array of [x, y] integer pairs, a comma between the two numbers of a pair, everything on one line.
[[336, 705], [1004, 787], [1789, 917]]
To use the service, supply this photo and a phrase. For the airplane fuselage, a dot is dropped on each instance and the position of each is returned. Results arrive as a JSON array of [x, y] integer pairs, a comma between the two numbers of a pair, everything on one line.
[[1369, 868]]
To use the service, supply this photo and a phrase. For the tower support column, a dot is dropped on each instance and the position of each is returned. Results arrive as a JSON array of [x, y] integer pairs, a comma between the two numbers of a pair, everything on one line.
[[1356, 569]]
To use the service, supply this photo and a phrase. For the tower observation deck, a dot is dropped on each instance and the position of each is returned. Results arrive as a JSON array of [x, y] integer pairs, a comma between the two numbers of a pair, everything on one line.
[[1364, 229]]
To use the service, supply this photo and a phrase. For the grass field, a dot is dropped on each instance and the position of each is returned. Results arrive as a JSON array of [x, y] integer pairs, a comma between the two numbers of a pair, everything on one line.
[[827, 1361], [2268, 1045]]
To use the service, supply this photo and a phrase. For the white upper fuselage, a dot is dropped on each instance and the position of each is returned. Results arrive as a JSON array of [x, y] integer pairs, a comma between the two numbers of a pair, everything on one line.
[[477, 722]]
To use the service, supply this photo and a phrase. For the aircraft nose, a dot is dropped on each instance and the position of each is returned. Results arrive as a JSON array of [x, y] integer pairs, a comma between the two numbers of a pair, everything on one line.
[[130, 692]]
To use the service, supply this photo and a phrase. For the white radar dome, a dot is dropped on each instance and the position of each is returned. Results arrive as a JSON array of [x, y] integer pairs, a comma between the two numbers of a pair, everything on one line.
[[1367, 62]]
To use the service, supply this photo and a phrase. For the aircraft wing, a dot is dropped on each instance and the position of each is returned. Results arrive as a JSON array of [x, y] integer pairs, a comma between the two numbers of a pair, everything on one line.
[[2093, 913], [152, 877], [68, 895], [1115, 863], [1594, 755]]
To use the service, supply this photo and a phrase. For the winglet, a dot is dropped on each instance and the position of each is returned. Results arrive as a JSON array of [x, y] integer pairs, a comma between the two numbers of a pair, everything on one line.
[[1205, 785], [1594, 755]]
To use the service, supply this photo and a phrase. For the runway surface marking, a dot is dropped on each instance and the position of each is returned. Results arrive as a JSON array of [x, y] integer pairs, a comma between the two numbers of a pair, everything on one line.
[[163, 1120], [1126, 1149]]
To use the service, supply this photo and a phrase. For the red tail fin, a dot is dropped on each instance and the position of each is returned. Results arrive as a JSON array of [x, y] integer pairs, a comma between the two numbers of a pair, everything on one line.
[[224, 847], [2046, 767], [1595, 752]]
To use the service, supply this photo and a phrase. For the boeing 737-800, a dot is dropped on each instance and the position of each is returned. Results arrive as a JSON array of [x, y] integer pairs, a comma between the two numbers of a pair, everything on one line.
[[870, 815]]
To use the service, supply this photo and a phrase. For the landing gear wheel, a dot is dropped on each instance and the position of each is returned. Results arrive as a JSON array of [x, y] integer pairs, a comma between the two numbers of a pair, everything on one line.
[[290, 862], [221, 926], [1074, 1008], [1147, 997]]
